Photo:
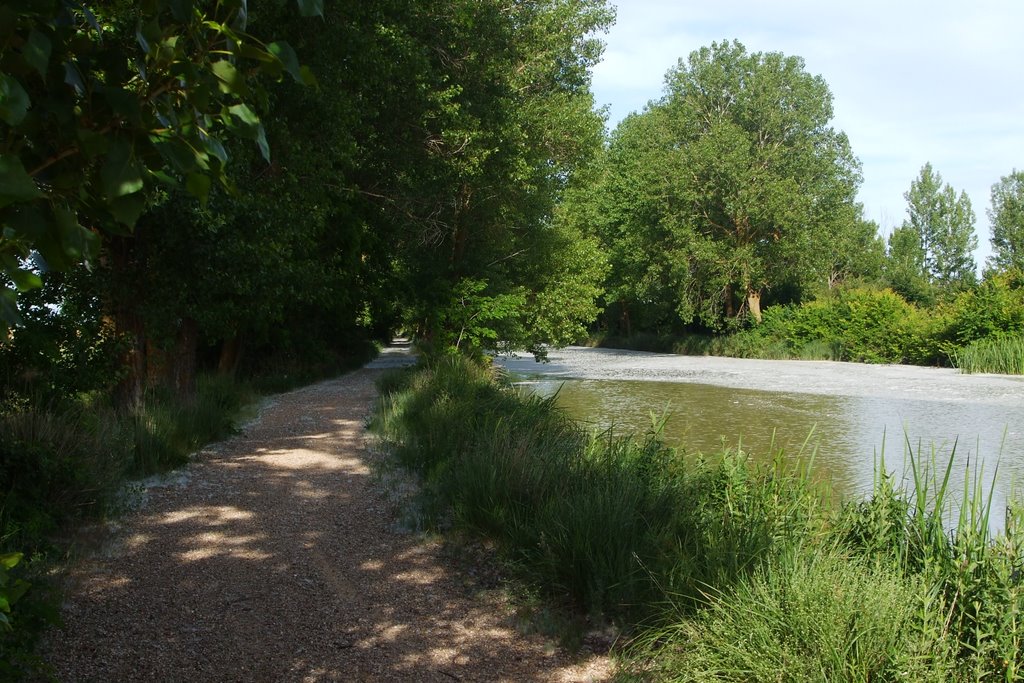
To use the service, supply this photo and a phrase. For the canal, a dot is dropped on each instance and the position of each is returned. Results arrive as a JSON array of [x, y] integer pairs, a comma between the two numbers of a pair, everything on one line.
[[846, 414]]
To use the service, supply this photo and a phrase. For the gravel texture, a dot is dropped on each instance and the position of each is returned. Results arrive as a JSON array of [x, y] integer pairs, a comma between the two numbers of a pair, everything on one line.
[[826, 378], [275, 557]]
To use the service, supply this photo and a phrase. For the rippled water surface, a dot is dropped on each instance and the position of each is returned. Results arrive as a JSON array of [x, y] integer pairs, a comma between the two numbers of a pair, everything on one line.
[[845, 432]]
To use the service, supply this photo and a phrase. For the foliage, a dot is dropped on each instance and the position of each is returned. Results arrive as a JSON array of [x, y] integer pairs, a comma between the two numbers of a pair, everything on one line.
[[101, 107], [992, 310], [503, 117], [944, 224], [905, 270], [862, 324], [732, 185], [1006, 215], [11, 588]]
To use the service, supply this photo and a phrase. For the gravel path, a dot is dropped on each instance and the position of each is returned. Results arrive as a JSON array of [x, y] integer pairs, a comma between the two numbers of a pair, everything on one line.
[[274, 557], [826, 378]]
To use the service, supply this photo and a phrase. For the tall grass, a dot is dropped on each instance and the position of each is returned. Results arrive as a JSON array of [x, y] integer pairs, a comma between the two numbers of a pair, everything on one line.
[[1003, 355], [62, 462], [719, 569]]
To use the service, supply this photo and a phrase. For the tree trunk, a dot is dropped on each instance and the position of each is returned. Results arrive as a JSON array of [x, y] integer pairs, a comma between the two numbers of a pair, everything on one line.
[[230, 355], [754, 303], [121, 307], [129, 391], [182, 370]]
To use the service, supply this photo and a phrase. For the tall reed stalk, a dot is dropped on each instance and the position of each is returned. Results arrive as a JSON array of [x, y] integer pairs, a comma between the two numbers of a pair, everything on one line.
[[1003, 355]]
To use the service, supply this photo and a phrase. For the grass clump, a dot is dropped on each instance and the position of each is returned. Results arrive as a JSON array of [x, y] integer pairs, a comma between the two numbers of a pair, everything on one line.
[[723, 568], [1002, 355]]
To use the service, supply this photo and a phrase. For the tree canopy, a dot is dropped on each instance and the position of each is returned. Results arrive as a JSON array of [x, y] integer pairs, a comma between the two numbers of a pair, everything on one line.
[[944, 225], [732, 185], [1006, 215], [100, 106]]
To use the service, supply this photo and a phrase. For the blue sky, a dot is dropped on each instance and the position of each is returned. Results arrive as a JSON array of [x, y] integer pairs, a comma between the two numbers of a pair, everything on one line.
[[912, 81]]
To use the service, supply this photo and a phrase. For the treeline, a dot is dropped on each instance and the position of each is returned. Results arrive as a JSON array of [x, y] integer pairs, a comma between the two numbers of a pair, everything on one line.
[[730, 202], [202, 200]]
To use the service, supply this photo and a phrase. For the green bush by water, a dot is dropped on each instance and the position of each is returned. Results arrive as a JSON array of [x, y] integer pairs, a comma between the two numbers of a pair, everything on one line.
[[718, 569]]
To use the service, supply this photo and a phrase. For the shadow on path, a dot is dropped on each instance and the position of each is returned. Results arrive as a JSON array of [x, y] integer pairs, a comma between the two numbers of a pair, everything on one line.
[[277, 561]]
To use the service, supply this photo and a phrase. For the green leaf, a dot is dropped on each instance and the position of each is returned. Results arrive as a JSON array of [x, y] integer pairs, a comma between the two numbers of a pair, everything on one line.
[[126, 210], [23, 279], [121, 174], [311, 8], [178, 155], [37, 52], [76, 242], [73, 77], [16, 185], [198, 185], [284, 52], [231, 79], [14, 102], [308, 78], [261, 141], [9, 317], [10, 560], [242, 121], [215, 147]]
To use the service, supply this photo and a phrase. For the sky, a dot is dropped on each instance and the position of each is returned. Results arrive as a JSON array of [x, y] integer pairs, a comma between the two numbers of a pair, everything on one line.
[[913, 81]]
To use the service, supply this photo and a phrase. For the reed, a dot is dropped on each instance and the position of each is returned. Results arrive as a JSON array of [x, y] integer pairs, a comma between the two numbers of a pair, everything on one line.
[[1002, 355]]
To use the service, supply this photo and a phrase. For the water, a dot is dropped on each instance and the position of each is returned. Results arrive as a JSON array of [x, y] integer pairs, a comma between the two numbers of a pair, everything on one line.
[[846, 433]]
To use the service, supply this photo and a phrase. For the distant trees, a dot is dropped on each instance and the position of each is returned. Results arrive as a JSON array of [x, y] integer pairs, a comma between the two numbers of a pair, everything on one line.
[[944, 225], [1006, 215]]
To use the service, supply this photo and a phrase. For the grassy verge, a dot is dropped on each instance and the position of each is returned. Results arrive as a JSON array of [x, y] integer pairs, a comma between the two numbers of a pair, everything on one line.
[[720, 569]]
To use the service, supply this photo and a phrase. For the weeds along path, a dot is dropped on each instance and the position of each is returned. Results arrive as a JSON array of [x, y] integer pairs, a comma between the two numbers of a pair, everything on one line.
[[274, 558]]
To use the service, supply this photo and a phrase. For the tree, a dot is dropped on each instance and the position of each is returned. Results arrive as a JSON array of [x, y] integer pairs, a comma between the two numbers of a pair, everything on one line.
[[1007, 218], [905, 270], [99, 107], [944, 224], [503, 115], [734, 184]]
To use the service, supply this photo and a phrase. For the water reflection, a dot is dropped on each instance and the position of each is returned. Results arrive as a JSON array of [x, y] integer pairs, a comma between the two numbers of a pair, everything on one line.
[[847, 433]]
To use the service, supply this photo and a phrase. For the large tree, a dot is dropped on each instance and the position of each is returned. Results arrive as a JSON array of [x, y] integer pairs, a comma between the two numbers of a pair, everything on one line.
[[503, 113], [944, 224], [732, 185], [1007, 218], [101, 105]]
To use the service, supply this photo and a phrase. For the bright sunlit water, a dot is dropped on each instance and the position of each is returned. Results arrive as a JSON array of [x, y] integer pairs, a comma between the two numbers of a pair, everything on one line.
[[846, 434]]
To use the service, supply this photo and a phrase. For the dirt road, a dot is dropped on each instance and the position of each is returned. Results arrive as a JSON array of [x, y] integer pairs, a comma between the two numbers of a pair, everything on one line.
[[274, 557]]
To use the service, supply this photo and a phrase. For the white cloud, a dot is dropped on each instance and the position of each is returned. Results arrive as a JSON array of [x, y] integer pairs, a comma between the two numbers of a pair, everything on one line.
[[914, 81]]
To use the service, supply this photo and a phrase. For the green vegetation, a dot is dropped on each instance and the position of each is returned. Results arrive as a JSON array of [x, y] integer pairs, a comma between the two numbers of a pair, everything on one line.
[[716, 569], [202, 201], [1004, 356]]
